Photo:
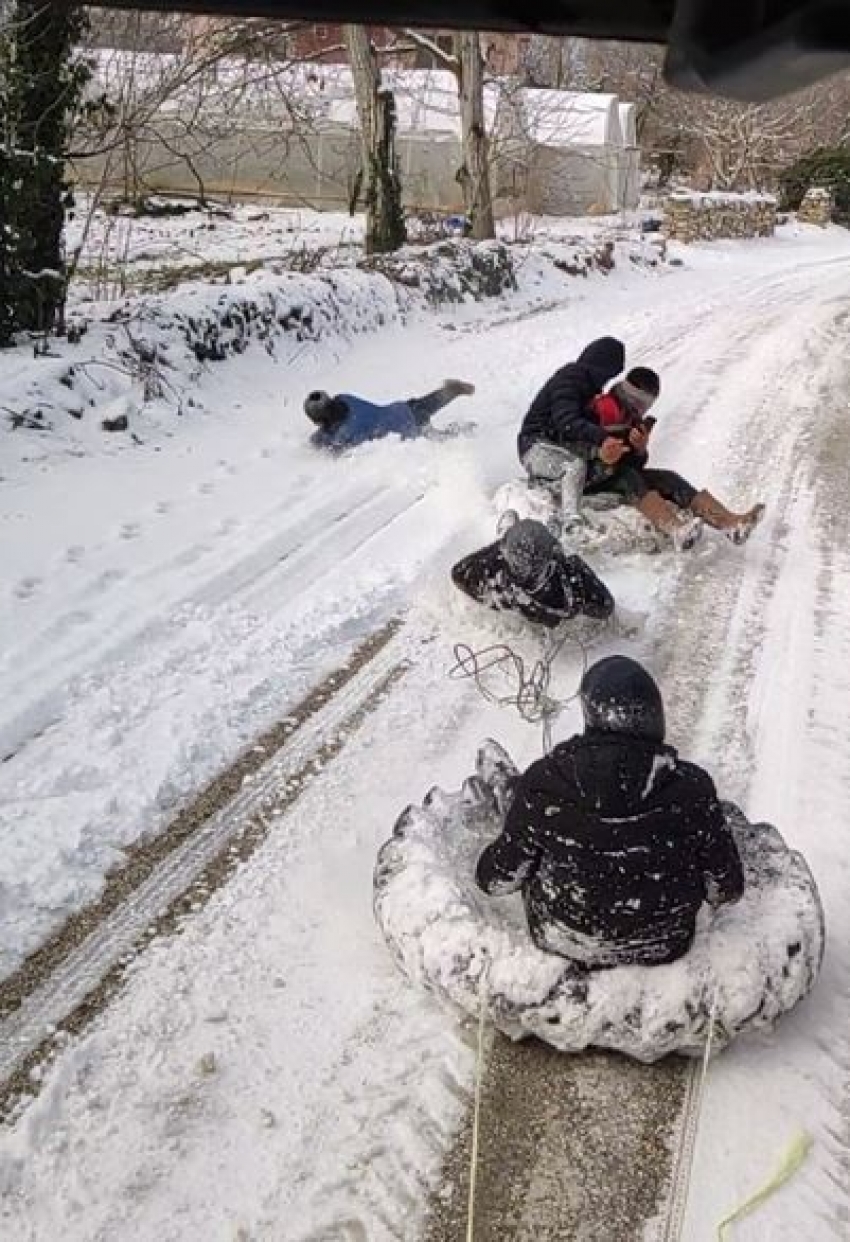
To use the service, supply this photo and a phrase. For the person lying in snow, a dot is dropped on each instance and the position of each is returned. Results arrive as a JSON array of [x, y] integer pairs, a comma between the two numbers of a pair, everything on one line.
[[345, 420], [527, 571], [613, 839], [669, 502]]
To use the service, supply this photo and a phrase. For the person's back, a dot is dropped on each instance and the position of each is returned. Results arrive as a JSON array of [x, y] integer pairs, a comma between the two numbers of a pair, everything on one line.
[[559, 414], [360, 421], [615, 841], [527, 571]]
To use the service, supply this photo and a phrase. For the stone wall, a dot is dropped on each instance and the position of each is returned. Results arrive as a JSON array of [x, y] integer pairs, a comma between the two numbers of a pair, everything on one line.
[[690, 216], [816, 207]]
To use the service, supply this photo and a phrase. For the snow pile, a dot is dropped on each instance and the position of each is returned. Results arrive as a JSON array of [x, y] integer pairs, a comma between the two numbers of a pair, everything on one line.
[[211, 323], [604, 525], [450, 271], [749, 964], [154, 349]]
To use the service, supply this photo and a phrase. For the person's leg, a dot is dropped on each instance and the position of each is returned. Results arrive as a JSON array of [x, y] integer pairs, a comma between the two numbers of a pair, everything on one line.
[[636, 488], [737, 527], [671, 486], [549, 465], [628, 482], [424, 408]]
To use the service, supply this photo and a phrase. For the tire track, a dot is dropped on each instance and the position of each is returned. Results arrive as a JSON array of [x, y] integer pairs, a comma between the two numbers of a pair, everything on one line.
[[70, 979]]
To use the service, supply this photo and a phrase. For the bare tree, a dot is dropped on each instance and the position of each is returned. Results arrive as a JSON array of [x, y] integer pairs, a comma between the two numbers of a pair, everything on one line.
[[743, 146], [466, 62], [556, 63], [719, 143], [221, 100], [474, 173], [385, 229]]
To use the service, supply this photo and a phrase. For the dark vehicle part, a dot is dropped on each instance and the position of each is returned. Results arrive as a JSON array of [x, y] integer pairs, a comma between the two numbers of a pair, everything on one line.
[[751, 50]]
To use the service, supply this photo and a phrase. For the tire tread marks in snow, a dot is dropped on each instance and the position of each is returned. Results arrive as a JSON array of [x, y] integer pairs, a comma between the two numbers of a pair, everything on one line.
[[74, 975]]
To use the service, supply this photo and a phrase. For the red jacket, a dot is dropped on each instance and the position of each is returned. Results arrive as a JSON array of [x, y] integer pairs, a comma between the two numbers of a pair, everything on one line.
[[610, 413]]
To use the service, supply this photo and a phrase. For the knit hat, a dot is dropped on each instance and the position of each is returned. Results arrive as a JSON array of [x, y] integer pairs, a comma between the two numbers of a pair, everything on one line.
[[529, 549]]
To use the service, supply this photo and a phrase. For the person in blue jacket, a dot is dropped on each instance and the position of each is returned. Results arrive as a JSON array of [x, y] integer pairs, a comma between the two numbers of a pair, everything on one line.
[[344, 421]]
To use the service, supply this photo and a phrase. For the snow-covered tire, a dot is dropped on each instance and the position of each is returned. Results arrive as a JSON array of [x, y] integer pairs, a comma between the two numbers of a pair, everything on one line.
[[749, 964], [604, 525]]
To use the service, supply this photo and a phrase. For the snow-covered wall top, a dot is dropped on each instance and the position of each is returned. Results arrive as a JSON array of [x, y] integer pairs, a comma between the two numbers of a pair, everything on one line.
[[690, 216], [721, 198]]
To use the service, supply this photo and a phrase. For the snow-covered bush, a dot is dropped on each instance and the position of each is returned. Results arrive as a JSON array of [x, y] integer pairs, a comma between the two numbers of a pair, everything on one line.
[[827, 168]]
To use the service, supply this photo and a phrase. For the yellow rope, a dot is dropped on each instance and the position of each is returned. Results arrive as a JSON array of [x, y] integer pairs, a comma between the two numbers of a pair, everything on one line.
[[793, 1158]]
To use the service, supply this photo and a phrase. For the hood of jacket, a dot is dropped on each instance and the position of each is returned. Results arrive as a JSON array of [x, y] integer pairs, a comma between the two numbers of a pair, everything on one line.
[[612, 775], [603, 358]]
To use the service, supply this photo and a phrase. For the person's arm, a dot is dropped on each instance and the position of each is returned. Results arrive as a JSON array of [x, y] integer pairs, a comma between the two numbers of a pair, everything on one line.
[[723, 874], [512, 858], [639, 439], [575, 424]]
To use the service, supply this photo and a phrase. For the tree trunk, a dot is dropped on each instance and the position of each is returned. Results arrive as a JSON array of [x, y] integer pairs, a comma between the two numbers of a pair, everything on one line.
[[380, 179], [474, 173]]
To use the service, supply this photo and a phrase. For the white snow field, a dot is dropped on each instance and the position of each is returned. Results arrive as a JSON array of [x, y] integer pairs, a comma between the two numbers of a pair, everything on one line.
[[266, 1073]]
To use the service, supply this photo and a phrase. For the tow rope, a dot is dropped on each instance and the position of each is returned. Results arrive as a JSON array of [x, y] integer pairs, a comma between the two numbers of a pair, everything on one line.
[[792, 1160]]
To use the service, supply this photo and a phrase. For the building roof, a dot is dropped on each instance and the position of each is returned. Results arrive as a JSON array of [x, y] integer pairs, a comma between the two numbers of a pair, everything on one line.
[[571, 119], [321, 96]]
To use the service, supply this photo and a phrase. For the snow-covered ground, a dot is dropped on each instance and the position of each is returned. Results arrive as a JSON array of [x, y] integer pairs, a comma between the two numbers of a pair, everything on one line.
[[266, 1074], [122, 250], [110, 243]]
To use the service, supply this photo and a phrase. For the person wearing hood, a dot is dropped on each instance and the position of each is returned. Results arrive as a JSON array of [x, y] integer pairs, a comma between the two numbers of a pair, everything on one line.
[[345, 420], [614, 841], [526, 571], [560, 435]]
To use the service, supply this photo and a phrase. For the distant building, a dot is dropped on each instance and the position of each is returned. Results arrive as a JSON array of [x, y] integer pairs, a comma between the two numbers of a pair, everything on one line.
[[572, 150], [289, 132]]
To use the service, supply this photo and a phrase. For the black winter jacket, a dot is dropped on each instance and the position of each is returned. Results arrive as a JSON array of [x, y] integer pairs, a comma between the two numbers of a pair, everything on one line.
[[615, 843], [560, 413], [570, 589]]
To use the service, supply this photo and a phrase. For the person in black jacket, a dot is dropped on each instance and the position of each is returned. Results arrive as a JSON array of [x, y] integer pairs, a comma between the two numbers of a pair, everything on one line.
[[614, 840], [560, 434], [527, 571]]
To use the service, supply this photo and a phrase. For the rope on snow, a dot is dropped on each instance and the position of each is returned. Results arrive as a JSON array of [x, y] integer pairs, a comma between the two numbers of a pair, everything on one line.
[[476, 1109], [503, 678]]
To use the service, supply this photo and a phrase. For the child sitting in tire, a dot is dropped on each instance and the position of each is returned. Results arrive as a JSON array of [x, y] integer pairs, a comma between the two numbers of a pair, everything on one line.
[[614, 841]]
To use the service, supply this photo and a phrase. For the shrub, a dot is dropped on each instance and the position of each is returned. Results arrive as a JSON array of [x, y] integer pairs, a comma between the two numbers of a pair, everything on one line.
[[828, 167]]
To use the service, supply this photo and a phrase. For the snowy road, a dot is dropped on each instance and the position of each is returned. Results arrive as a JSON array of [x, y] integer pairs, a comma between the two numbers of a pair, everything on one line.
[[266, 1074]]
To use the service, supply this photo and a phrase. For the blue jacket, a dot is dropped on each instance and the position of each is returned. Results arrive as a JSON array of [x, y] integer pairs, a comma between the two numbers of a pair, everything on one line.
[[366, 421]]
